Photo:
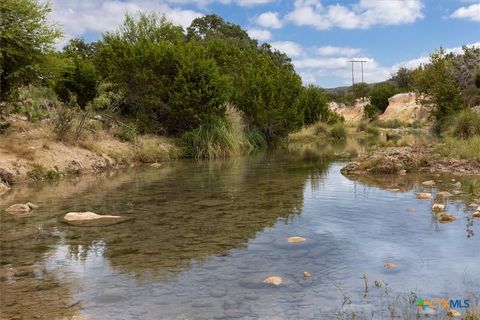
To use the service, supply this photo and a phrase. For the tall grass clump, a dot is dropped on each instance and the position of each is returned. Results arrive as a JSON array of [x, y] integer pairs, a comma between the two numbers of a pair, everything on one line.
[[460, 148], [467, 124], [338, 131], [221, 138]]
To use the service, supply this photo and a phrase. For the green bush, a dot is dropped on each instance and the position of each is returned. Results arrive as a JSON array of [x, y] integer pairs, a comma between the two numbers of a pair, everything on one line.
[[374, 131], [35, 102], [467, 124], [338, 132], [370, 112], [313, 102], [380, 93]]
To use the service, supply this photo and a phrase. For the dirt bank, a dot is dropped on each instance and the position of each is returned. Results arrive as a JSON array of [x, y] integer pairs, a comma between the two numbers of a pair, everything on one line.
[[32, 151]]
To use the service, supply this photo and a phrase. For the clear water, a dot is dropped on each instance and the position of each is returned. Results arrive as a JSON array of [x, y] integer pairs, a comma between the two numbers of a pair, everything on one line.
[[205, 235]]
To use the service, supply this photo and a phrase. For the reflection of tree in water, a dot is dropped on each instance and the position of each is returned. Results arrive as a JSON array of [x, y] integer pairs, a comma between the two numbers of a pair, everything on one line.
[[194, 212]]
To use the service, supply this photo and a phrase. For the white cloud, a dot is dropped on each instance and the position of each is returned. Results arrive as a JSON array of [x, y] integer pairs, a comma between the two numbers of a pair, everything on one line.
[[80, 17], [471, 12], [290, 48], [259, 34], [362, 15], [269, 19], [332, 51]]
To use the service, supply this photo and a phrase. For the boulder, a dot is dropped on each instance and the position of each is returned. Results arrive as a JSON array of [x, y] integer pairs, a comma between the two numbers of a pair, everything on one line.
[[91, 219], [389, 265], [402, 172], [424, 195], [296, 239], [306, 274], [429, 183], [20, 208], [476, 214], [274, 280], [445, 217], [438, 207]]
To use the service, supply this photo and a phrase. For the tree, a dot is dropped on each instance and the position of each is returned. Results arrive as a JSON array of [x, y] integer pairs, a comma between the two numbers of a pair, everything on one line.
[[26, 35], [380, 93], [82, 77], [313, 102], [436, 86], [403, 79], [168, 85]]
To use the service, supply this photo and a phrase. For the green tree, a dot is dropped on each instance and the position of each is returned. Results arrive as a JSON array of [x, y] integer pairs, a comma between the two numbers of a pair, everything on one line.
[[25, 36], [403, 79], [82, 77], [313, 102], [436, 85], [380, 93]]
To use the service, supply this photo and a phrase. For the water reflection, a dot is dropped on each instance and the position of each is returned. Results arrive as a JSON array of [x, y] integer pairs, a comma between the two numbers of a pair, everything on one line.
[[204, 236]]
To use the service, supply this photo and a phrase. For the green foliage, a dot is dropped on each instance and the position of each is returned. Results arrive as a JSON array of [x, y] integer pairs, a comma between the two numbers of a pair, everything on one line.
[[81, 78], [467, 124], [34, 102], [436, 85], [380, 93], [403, 79], [128, 132], [168, 85], [370, 112], [25, 36], [338, 132], [372, 130], [215, 141], [266, 93], [63, 122], [313, 102]]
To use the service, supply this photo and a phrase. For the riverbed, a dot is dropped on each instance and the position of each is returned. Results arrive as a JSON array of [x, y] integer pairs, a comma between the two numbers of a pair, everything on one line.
[[204, 236]]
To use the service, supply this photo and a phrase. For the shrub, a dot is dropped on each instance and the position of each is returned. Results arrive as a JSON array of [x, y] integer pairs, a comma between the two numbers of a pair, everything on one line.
[[338, 132], [467, 124], [63, 122], [313, 102], [370, 112], [35, 102], [380, 93], [128, 132], [374, 131]]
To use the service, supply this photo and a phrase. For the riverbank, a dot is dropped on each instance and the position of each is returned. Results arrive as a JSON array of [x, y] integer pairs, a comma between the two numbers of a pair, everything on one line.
[[32, 151]]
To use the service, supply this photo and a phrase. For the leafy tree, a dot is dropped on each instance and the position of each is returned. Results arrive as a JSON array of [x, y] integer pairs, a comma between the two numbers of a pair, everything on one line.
[[313, 102], [82, 77], [380, 93], [436, 85], [168, 85], [25, 36], [403, 79]]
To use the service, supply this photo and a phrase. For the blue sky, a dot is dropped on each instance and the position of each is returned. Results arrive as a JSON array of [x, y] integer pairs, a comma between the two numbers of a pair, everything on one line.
[[319, 35]]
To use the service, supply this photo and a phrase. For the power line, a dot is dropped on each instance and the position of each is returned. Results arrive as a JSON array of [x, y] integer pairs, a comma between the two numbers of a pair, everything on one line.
[[353, 76]]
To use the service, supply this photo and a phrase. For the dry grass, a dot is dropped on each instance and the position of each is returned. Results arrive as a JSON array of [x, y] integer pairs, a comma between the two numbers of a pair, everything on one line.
[[20, 148]]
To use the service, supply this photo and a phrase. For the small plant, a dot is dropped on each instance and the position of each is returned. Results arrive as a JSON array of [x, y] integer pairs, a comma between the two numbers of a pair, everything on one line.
[[467, 124], [338, 132], [63, 122], [374, 131], [128, 133]]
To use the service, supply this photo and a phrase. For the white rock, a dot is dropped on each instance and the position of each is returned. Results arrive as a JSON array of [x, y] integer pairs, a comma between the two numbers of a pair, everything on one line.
[[87, 216], [3, 188], [438, 207], [296, 239], [275, 280], [429, 183], [21, 208]]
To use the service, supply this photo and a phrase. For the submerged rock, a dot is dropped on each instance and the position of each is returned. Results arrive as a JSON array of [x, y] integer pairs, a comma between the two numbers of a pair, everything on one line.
[[424, 195], [444, 194], [445, 217], [452, 313], [429, 183], [410, 209], [389, 265], [307, 274], [20, 208], [438, 207], [274, 280], [91, 219], [296, 239]]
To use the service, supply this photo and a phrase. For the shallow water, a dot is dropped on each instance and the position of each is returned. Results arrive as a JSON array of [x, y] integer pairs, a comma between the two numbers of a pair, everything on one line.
[[205, 235]]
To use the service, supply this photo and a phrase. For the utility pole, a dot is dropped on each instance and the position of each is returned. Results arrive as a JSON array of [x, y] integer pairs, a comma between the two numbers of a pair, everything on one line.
[[353, 77]]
